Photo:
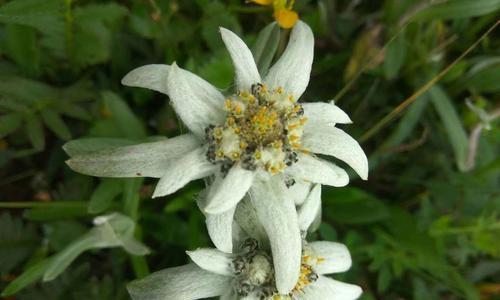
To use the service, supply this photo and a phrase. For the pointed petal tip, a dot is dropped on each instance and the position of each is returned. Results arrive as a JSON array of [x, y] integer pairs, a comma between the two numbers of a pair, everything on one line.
[[133, 288], [65, 147], [364, 172], [127, 79], [355, 292], [155, 195], [174, 67]]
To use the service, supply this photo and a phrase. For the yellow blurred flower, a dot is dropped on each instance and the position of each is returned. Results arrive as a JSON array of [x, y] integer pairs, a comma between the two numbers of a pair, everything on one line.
[[283, 12]]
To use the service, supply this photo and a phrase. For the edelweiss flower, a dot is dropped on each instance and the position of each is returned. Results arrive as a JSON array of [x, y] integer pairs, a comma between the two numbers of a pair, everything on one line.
[[245, 139], [249, 274]]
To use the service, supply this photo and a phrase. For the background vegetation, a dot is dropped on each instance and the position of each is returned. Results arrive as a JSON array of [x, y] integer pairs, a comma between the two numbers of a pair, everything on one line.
[[424, 226]]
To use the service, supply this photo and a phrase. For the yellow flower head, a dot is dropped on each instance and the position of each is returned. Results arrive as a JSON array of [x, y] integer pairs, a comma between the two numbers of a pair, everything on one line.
[[283, 12]]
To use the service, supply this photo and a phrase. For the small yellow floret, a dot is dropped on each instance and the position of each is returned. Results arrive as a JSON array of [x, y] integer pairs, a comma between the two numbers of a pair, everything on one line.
[[258, 155], [286, 18]]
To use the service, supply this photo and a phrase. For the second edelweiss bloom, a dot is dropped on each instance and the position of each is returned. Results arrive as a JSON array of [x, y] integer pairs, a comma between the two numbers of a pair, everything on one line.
[[259, 133], [248, 274]]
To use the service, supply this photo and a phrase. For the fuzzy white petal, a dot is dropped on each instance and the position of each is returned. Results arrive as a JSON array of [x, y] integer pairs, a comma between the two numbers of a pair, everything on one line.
[[153, 77], [188, 282], [317, 170], [293, 69], [191, 166], [335, 142], [243, 61], [212, 260], [279, 218], [323, 114], [309, 210], [298, 192], [336, 255], [219, 226], [156, 76], [317, 221], [143, 160], [246, 217], [197, 102], [225, 193], [329, 289]]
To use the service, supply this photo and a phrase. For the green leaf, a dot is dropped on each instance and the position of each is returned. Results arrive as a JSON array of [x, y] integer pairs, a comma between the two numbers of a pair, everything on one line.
[[28, 277], [92, 35], [456, 9], [395, 56], [353, 206], [182, 201], [384, 278], [112, 230], [485, 80], [9, 123], [420, 290], [408, 122], [25, 90], [35, 13], [35, 132], [54, 121], [217, 15], [265, 47], [131, 198], [63, 259], [451, 121], [10, 104], [74, 111], [122, 116], [103, 196], [140, 266], [327, 232], [107, 13], [410, 238], [17, 241], [61, 233], [92, 44], [22, 47], [218, 70]]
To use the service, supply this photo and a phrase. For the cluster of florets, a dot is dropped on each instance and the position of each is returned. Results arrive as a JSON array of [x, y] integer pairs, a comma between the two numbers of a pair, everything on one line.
[[263, 129], [255, 273], [307, 274]]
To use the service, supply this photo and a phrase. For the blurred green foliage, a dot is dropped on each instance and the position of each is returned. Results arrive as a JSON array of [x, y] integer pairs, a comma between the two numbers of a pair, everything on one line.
[[424, 226]]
